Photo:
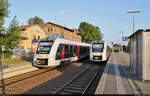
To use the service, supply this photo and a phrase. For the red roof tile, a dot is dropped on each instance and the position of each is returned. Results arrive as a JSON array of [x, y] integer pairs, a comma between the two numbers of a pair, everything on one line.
[[25, 26]]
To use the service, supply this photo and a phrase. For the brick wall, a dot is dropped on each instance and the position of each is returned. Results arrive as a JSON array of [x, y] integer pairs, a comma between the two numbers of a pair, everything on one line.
[[68, 33]]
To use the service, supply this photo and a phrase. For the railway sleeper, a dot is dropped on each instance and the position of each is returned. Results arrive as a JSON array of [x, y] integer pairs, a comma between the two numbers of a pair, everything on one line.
[[78, 83], [57, 87], [82, 81], [75, 88], [66, 93], [72, 91]]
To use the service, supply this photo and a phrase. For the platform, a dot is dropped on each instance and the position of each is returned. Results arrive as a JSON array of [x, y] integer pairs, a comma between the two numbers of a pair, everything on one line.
[[114, 80], [17, 69]]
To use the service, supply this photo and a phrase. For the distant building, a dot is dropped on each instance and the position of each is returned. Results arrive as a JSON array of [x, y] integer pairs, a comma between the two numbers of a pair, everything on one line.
[[72, 34], [31, 36]]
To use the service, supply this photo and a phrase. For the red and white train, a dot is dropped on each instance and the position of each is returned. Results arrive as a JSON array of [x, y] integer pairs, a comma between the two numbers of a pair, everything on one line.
[[56, 52]]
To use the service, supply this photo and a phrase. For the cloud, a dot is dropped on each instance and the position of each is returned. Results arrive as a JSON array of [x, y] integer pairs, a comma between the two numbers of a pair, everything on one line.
[[60, 12]]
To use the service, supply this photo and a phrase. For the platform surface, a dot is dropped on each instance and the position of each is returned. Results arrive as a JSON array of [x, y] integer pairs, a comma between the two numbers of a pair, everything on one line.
[[114, 80], [16, 69]]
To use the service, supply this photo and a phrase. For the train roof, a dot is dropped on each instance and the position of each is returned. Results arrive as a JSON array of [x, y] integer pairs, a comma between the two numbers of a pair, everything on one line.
[[98, 41], [66, 41], [62, 40]]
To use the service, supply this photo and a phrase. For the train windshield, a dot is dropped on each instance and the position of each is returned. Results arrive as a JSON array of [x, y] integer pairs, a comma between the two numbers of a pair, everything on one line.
[[44, 47], [97, 47]]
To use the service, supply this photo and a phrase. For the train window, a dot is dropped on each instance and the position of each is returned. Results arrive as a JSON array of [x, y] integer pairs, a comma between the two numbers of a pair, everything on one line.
[[71, 50], [97, 47], [59, 52], [81, 50], [44, 47], [74, 50], [67, 51]]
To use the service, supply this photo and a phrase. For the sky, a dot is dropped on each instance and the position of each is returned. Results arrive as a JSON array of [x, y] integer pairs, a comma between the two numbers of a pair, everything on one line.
[[109, 15]]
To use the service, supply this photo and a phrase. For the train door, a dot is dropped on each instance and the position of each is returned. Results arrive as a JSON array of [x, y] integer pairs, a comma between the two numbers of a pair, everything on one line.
[[60, 52], [78, 52], [63, 52]]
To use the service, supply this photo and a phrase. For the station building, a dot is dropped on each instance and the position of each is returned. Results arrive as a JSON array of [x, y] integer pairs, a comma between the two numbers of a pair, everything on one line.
[[140, 53], [32, 33], [72, 34]]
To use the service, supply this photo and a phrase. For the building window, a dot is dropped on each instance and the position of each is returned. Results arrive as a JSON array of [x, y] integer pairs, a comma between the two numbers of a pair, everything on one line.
[[49, 29], [34, 37], [38, 37]]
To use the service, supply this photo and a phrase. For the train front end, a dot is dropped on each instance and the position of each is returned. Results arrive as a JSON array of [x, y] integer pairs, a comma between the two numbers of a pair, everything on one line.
[[42, 57], [98, 52]]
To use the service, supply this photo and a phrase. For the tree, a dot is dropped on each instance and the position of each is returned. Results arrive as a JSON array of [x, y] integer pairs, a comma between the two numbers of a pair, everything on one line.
[[35, 20], [89, 32], [3, 14], [12, 37], [3, 11]]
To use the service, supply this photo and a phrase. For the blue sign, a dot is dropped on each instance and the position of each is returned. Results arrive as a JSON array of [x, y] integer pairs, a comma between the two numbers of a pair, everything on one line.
[[55, 35], [35, 40]]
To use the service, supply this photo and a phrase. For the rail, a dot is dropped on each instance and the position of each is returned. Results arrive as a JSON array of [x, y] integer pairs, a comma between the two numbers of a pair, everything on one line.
[[80, 84]]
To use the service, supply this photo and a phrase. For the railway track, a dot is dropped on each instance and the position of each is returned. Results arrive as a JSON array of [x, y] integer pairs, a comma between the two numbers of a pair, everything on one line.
[[74, 81], [24, 82], [81, 82]]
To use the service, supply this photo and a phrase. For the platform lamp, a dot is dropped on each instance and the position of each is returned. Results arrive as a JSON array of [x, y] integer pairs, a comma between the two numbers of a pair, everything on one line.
[[133, 12]]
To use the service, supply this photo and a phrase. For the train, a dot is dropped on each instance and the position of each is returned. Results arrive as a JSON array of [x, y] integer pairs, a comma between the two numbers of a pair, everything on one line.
[[55, 52], [99, 51]]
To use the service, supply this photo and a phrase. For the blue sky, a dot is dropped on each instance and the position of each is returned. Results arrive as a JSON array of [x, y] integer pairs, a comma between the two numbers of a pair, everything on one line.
[[110, 15]]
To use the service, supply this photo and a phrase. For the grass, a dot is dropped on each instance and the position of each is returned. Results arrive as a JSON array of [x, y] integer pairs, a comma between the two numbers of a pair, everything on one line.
[[28, 58], [16, 60]]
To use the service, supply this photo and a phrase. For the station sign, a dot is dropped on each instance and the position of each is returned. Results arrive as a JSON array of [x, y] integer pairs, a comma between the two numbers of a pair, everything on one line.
[[55, 35], [125, 38]]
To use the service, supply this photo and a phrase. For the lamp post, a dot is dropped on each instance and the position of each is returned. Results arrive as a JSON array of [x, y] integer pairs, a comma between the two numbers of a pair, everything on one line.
[[133, 12], [122, 40], [2, 74]]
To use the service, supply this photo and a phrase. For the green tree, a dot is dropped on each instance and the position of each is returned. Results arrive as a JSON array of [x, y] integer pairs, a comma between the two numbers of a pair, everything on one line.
[[12, 37], [35, 20], [3, 14], [89, 32]]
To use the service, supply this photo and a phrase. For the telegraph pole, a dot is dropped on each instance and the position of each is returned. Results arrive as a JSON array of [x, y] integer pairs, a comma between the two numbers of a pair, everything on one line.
[[2, 74]]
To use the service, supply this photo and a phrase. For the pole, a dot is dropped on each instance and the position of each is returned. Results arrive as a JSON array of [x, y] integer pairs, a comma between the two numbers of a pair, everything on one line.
[[31, 46], [133, 22], [133, 13], [2, 75], [122, 40]]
